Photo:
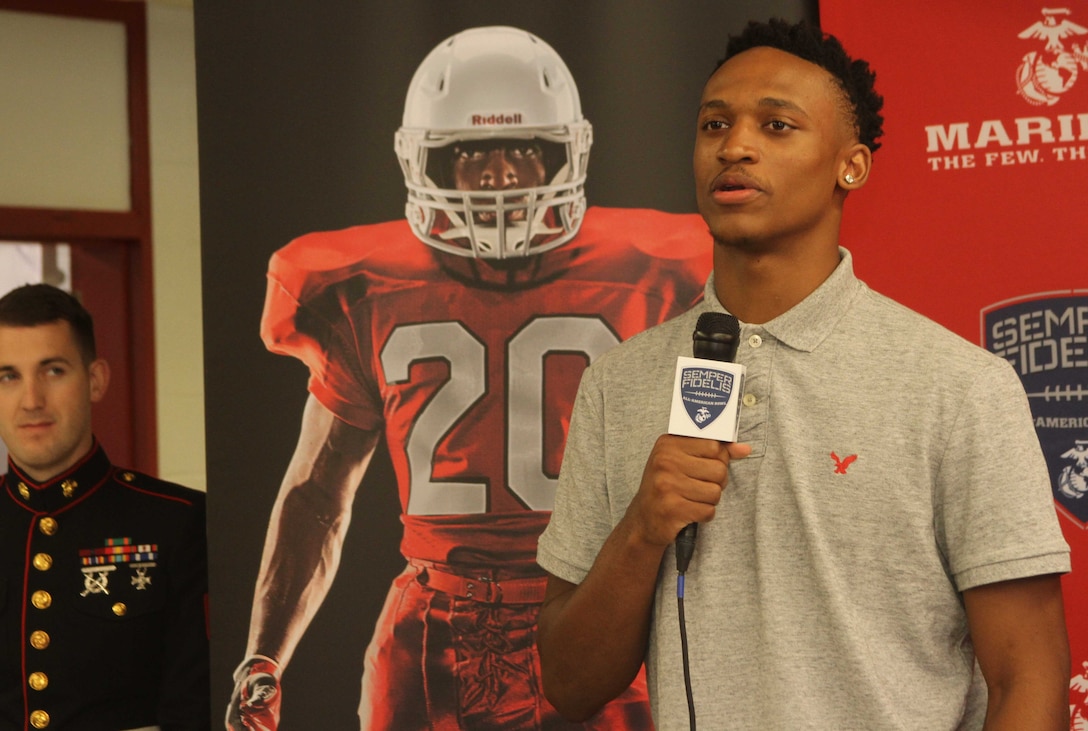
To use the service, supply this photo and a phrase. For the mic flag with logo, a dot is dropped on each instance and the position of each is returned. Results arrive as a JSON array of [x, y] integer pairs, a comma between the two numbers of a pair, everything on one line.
[[705, 388], [705, 393]]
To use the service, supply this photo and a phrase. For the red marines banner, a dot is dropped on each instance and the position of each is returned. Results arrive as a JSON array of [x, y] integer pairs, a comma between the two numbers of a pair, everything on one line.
[[975, 213]]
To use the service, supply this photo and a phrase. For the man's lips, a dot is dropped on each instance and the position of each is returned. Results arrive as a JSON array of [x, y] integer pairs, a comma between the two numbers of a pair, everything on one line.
[[34, 426], [735, 188]]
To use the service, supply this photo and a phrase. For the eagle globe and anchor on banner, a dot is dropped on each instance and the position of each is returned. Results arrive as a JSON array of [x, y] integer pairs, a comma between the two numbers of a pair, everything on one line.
[[1043, 76]]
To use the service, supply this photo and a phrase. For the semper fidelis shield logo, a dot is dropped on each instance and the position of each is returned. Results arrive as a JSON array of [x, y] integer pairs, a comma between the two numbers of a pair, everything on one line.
[[1045, 338], [706, 393]]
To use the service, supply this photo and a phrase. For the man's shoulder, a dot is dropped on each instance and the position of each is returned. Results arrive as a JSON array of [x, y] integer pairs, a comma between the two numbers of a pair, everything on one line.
[[315, 261], [900, 326], [170, 493], [644, 233]]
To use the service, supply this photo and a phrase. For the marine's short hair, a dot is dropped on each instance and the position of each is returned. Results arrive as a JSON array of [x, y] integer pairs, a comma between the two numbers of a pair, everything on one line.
[[40, 304], [805, 40]]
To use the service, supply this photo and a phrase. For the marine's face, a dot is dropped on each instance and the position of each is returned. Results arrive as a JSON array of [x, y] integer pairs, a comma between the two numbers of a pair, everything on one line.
[[46, 392], [769, 146]]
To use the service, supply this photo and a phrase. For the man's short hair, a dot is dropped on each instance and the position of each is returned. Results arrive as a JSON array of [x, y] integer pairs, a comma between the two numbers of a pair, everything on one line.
[[41, 304], [808, 42]]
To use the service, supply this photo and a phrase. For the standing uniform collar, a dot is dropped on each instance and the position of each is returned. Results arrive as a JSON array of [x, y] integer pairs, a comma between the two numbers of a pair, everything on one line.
[[805, 325], [62, 490]]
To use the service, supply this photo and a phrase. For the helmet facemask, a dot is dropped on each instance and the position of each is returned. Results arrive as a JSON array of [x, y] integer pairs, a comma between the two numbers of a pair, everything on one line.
[[493, 85]]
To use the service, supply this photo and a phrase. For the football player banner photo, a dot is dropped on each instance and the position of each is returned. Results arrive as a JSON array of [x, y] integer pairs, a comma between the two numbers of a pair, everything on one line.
[[457, 336]]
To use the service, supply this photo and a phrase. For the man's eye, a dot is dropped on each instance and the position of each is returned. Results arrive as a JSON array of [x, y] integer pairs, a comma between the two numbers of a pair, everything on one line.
[[779, 126], [714, 124]]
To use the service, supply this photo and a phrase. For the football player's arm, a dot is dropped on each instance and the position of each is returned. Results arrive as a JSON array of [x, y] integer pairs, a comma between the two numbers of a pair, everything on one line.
[[306, 530], [593, 636], [1018, 630], [301, 554]]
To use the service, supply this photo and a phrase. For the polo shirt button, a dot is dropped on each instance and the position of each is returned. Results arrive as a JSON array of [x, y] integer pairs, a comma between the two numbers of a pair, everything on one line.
[[755, 341], [749, 399]]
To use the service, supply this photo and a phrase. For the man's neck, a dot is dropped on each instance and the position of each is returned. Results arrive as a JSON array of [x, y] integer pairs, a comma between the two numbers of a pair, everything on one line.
[[759, 283], [43, 475]]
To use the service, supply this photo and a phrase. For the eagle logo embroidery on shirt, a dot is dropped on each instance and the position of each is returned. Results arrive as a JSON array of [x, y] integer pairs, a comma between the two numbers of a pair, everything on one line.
[[841, 465]]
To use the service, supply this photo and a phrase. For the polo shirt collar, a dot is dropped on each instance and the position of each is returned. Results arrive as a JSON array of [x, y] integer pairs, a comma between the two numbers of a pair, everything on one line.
[[806, 325]]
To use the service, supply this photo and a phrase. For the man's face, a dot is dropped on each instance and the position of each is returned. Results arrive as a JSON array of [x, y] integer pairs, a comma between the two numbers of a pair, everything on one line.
[[497, 165], [771, 139], [46, 391]]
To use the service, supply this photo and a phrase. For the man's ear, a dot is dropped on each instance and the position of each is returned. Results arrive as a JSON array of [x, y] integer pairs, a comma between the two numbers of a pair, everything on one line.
[[99, 371], [855, 166]]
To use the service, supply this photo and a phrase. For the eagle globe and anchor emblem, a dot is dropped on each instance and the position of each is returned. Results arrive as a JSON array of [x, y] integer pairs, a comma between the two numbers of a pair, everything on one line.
[[1043, 76]]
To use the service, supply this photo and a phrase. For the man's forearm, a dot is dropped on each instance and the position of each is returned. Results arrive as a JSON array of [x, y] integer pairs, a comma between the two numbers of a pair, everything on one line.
[[1034, 706], [593, 636], [301, 556]]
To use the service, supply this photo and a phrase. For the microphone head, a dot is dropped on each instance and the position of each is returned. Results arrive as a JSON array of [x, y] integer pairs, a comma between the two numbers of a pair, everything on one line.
[[716, 336], [718, 322]]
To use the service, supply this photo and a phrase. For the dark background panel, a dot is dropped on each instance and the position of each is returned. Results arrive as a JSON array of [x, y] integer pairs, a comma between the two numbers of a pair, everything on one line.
[[298, 104]]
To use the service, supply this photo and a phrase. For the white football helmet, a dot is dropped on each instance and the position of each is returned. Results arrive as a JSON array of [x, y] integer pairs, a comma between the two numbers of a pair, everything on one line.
[[493, 83]]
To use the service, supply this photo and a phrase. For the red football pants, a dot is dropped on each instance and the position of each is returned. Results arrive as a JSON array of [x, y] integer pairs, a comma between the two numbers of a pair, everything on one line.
[[445, 663]]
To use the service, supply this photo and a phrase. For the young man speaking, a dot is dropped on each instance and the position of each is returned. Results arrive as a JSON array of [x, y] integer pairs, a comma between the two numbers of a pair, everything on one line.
[[884, 520]]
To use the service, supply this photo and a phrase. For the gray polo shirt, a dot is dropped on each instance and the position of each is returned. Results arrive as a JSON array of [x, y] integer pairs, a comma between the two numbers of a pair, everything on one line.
[[894, 465]]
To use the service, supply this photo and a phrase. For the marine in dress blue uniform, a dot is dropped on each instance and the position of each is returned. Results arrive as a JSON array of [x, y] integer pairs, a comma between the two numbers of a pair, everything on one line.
[[103, 570], [102, 598]]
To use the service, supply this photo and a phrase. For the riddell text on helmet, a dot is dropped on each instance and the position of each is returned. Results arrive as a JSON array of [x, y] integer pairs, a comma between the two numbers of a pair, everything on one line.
[[479, 119]]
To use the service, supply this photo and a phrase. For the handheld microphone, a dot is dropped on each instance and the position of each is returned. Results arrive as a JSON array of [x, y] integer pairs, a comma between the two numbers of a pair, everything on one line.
[[716, 337]]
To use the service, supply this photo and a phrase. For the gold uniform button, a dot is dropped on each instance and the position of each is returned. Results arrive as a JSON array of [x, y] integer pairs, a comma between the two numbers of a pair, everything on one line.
[[68, 487], [128, 476], [41, 599], [39, 640], [43, 561], [39, 719], [48, 526], [24, 491], [120, 609], [38, 681]]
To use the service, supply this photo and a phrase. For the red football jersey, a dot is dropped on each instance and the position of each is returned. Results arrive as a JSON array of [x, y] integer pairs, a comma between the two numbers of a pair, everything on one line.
[[471, 368]]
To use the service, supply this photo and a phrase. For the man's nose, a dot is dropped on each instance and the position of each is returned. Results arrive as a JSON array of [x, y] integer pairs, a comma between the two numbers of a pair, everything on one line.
[[498, 172], [739, 145], [33, 396]]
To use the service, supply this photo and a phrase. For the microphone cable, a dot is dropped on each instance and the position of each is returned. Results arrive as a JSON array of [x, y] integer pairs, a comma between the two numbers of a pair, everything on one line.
[[684, 633]]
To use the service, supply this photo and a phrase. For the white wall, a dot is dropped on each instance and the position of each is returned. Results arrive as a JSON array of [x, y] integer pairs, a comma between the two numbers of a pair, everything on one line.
[[175, 215]]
